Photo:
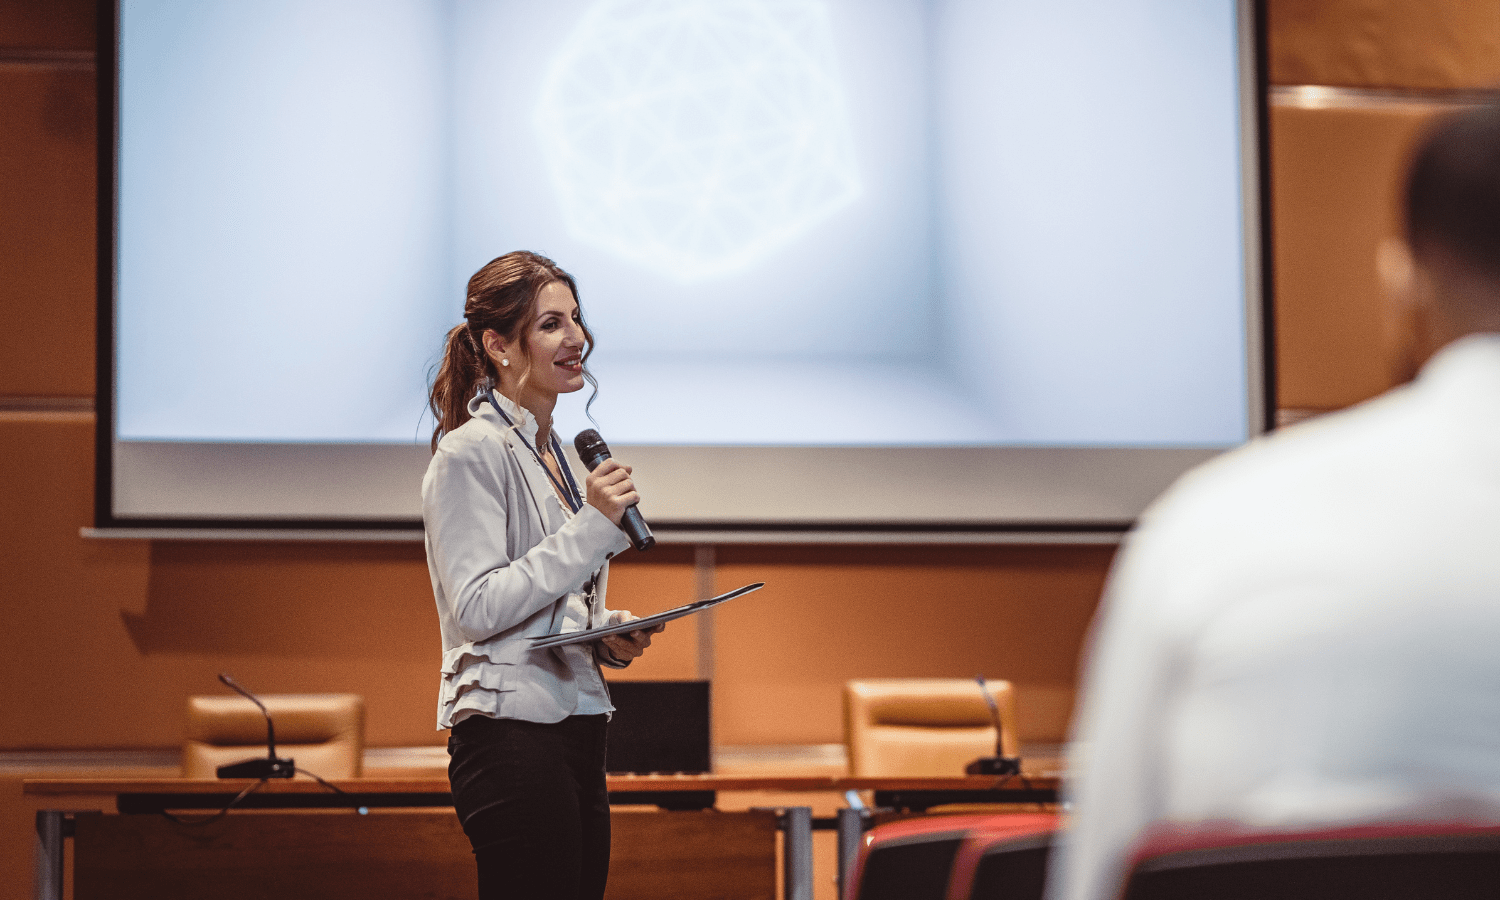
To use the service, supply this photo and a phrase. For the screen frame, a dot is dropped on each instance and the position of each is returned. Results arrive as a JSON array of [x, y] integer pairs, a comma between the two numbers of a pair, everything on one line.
[[1260, 354]]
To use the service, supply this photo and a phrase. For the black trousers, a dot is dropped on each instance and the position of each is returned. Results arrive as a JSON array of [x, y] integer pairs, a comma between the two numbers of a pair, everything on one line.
[[533, 801]]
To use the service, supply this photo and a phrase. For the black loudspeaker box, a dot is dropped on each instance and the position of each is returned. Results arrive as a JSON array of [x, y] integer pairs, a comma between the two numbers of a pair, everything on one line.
[[658, 726]]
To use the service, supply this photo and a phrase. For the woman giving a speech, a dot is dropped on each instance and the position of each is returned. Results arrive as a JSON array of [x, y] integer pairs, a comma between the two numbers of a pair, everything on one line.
[[517, 550]]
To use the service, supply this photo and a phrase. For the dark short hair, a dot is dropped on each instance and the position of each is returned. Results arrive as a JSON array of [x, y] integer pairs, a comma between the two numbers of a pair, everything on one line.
[[1453, 190]]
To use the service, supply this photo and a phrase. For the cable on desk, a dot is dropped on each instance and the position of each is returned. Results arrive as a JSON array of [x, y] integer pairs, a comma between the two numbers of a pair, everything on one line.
[[1003, 780], [320, 780], [221, 813]]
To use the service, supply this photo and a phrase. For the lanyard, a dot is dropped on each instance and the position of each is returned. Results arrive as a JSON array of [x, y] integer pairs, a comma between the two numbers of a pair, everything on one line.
[[568, 488]]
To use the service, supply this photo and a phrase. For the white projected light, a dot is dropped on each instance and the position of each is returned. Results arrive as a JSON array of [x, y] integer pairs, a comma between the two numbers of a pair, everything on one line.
[[999, 259], [693, 136]]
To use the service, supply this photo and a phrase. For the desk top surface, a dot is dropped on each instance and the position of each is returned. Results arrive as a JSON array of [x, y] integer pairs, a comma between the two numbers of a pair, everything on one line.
[[794, 783]]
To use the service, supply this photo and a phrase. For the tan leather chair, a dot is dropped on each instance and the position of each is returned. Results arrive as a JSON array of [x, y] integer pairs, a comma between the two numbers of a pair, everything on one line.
[[923, 726], [323, 733]]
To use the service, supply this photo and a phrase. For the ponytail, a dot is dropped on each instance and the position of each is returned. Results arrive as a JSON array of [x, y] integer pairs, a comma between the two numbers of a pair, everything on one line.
[[459, 376]]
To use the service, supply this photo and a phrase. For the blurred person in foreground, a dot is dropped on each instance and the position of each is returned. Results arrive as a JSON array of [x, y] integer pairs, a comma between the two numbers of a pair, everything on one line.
[[1303, 632]]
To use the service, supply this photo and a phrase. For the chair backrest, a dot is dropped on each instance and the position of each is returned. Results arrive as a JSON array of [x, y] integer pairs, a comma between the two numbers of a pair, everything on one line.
[[909, 859], [943, 857], [1439, 860], [323, 733], [1005, 859], [923, 726]]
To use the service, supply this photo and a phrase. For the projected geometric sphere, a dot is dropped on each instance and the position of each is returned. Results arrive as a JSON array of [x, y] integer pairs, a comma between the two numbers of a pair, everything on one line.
[[694, 136]]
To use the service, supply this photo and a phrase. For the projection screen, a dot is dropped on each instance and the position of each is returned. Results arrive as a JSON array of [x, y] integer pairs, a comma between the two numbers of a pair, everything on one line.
[[853, 266]]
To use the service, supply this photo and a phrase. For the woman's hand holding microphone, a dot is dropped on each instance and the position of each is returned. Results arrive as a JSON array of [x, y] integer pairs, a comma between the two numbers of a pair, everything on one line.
[[611, 491]]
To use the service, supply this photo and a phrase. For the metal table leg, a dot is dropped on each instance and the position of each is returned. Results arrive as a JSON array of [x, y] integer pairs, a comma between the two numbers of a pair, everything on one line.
[[48, 854], [797, 854], [851, 831]]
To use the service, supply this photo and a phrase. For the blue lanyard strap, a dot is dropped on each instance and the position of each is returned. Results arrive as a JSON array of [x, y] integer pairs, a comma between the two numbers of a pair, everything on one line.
[[568, 491], [567, 488]]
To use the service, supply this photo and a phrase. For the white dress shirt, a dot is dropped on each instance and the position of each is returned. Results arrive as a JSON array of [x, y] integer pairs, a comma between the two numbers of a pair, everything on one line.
[[1304, 632]]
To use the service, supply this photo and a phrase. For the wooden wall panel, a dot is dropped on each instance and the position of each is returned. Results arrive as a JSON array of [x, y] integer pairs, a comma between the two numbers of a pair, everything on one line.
[[136, 627], [66, 667], [651, 582], [829, 614], [1335, 174], [47, 24], [47, 230], [127, 630], [1385, 43], [153, 622], [150, 623]]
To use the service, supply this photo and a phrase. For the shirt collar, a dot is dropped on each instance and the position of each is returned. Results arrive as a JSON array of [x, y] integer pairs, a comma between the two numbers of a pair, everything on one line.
[[526, 423], [1464, 359]]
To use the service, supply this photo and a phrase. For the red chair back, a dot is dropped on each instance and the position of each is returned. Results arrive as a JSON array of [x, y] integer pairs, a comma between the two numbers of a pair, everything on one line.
[[1444, 861], [1005, 859], [931, 857]]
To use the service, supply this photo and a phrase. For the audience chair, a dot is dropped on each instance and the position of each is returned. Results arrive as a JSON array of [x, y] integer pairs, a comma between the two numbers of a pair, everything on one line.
[[323, 733], [950, 857], [923, 726], [1383, 862], [1004, 859]]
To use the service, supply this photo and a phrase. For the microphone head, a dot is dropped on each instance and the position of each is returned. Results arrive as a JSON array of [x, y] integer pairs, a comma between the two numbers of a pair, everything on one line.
[[591, 448]]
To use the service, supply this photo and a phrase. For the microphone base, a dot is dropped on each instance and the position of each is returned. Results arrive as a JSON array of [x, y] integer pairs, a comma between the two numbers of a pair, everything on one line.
[[258, 768], [994, 765]]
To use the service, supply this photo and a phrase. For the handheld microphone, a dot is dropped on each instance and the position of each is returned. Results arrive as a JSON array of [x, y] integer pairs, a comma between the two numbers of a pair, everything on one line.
[[999, 764], [271, 766], [593, 451]]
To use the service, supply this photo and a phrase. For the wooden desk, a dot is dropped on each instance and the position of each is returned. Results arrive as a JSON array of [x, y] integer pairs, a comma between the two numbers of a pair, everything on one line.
[[434, 791], [381, 834]]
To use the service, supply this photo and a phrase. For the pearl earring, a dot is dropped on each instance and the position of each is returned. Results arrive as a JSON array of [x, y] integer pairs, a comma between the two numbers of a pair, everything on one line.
[[504, 362]]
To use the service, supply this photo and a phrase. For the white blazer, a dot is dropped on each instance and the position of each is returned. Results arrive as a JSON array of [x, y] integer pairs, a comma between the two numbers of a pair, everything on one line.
[[504, 557]]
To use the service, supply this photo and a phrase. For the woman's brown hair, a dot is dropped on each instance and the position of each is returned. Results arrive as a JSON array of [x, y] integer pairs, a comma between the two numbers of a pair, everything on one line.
[[502, 297]]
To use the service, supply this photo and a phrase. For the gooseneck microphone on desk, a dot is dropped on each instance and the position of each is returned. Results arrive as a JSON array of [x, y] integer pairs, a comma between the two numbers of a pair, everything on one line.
[[271, 766], [592, 451], [999, 764]]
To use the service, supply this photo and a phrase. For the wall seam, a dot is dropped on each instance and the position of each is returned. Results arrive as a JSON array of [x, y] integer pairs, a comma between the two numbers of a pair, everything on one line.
[[47, 59], [32, 405], [1322, 96]]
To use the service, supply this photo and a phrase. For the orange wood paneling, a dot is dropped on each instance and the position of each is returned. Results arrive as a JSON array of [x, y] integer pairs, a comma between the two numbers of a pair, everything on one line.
[[155, 622], [127, 630], [293, 618], [67, 673], [130, 629], [829, 614], [651, 582], [1385, 43], [47, 24], [147, 624], [403, 853], [1335, 177], [47, 230]]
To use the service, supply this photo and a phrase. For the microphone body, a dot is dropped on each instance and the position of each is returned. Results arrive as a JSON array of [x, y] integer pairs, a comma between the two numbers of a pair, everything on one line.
[[999, 764], [592, 451], [270, 767]]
